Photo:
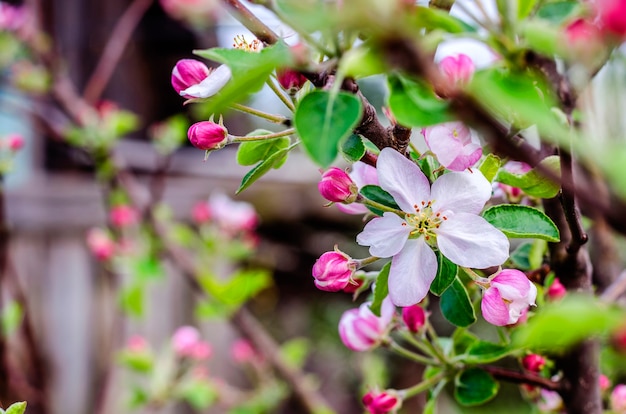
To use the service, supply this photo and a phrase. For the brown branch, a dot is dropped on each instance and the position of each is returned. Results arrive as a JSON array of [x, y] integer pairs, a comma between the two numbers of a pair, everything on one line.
[[114, 49], [251, 22], [517, 377]]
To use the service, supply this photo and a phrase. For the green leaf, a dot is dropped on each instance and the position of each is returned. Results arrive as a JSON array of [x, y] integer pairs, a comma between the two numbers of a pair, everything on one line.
[[136, 361], [532, 182], [519, 221], [490, 166], [524, 7], [381, 290], [353, 148], [323, 119], [200, 394], [462, 340], [558, 11], [377, 194], [415, 104], [11, 317], [474, 386], [520, 257], [456, 306], [564, 323], [240, 287], [250, 71], [132, 300], [437, 19], [249, 153], [446, 274], [483, 352], [263, 167], [295, 351], [17, 408]]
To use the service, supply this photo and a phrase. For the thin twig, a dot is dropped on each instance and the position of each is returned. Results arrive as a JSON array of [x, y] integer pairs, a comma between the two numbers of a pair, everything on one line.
[[522, 378], [251, 22], [114, 49]]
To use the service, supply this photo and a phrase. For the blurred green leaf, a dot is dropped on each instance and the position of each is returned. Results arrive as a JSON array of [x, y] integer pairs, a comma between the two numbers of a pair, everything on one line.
[[136, 361], [533, 182], [446, 274], [11, 317], [456, 306], [132, 300], [474, 386], [561, 324], [415, 104], [353, 148], [520, 256], [199, 393], [437, 19], [17, 408], [238, 288], [382, 289], [558, 11], [295, 351], [323, 119], [525, 7], [483, 352], [490, 166], [519, 221]]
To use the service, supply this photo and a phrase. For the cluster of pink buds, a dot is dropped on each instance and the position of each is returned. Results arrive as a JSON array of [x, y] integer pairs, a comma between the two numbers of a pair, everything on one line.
[[507, 296], [187, 343], [382, 402]]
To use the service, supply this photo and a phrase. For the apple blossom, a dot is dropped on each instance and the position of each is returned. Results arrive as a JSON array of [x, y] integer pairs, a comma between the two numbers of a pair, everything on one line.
[[360, 329], [232, 216], [454, 144], [123, 216], [508, 295], [382, 402], [337, 186], [207, 135], [200, 212], [194, 11], [188, 72], [209, 86], [549, 401], [443, 217], [362, 174], [184, 340], [333, 271], [414, 317], [618, 399], [100, 244], [137, 344], [457, 68]]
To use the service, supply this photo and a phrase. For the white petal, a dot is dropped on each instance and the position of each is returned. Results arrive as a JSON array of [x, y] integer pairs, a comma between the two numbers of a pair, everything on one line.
[[385, 235], [403, 179], [461, 192], [468, 240], [412, 272], [210, 85]]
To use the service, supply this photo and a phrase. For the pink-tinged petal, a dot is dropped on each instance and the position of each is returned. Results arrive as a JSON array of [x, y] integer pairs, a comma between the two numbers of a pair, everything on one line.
[[493, 308], [461, 192], [443, 143], [363, 174], [210, 85], [412, 272], [354, 208], [468, 240], [387, 311], [512, 284], [470, 156], [385, 235], [403, 179]]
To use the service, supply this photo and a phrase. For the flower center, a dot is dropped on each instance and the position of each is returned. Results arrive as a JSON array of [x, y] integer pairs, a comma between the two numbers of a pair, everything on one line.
[[425, 221]]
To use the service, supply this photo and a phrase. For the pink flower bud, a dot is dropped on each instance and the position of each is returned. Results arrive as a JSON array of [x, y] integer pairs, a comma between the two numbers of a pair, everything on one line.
[[337, 186], [207, 135], [556, 290], [414, 317], [290, 80], [100, 244], [123, 216], [454, 144], [184, 341], [618, 399], [458, 68], [137, 344], [188, 72], [612, 16], [15, 142], [362, 174], [201, 351], [508, 295], [382, 402], [354, 285], [333, 271], [604, 383], [533, 362], [242, 351], [361, 330], [201, 213]]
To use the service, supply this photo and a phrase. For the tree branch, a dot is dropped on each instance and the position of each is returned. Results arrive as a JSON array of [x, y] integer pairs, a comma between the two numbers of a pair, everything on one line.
[[522, 378]]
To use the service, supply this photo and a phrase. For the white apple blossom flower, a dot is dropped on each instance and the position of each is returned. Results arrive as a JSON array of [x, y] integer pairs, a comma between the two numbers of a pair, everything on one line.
[[444, 217], [211, 85]]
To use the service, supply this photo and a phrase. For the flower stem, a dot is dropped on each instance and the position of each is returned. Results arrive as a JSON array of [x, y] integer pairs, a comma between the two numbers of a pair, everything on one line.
[[395, 347], [433, 344], [408, 336], [420, 387], [379, 206], [286, 132], [281, 95], [475, 276], [368, 260], [278, 119]]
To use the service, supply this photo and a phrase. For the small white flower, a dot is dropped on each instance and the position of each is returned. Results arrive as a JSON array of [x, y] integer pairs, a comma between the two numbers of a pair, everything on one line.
[[443, 217]]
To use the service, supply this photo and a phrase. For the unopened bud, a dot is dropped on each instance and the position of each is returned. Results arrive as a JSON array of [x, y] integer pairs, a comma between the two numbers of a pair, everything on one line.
[[533, 362], [290, 79], [337, 186], [414, 317], [382, 402], [207, 135], [188, 72], [333, 271]]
